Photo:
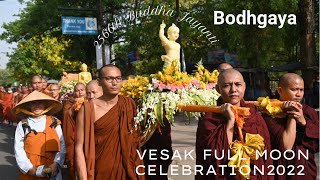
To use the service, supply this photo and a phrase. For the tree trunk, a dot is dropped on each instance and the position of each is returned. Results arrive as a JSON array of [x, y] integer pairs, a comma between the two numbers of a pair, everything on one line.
[[307, 42]]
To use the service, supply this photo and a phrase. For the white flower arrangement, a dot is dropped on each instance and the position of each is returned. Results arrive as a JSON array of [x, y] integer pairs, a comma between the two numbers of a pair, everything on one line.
[[158, 97], [156, 105], [67, 90]]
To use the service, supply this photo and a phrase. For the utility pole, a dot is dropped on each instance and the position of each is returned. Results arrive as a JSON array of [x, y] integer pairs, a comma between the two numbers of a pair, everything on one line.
[[182, 60], [100, 29]]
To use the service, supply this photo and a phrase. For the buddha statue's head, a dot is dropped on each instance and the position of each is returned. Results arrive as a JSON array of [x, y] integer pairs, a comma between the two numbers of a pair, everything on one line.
[[173, 32], [84, 67]]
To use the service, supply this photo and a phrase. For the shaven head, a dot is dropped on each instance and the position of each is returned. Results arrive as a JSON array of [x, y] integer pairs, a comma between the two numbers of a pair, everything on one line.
[[79, 90], [105, 68], [110, 80], [224, 66], [93, 90], [285, 79], [54, 90], [36, 83], [231, 86], [291, 87]]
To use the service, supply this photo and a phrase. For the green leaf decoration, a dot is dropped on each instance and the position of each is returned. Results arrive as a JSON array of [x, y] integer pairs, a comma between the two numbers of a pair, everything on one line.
[[158, 111]]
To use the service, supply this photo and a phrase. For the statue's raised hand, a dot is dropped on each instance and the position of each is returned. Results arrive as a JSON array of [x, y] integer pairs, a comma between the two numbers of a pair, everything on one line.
[[163, 25]]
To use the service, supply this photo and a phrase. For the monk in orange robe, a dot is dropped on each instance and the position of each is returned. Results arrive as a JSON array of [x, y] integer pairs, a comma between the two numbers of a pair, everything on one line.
[[298, 131], [36, 83], [24, 93], [7, 107], [2, 93], [45, 87], [107, 142], [217, 131], [70, 111]]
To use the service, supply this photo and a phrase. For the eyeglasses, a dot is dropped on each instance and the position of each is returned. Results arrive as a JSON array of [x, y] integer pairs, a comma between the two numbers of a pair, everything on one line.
[[109, 79]]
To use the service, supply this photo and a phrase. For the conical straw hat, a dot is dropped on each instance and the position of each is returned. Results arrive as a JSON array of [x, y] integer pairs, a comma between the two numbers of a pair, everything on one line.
[[36, 96]]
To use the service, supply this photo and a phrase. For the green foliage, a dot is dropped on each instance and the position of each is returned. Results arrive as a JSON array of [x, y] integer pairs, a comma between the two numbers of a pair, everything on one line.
[[43, 55], [255, 47], [43, 18], [6, 77]]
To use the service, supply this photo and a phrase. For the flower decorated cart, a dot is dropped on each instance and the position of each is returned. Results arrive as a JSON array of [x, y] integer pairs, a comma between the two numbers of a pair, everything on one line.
[[157, 95]]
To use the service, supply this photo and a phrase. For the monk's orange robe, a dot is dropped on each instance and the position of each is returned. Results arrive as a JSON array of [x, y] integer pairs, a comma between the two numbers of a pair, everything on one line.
[[109, 147], [7, 107], [68, 129], [41, 148], [1, 104]]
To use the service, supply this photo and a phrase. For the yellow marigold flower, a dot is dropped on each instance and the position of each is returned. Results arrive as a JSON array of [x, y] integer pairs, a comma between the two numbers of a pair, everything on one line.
[[266, 106], [134, 86], [197, 75], [202, 85], [264, 101]]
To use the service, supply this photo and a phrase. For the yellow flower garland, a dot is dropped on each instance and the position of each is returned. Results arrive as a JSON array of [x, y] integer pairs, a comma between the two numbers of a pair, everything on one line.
[[272, 107], [243, 153]]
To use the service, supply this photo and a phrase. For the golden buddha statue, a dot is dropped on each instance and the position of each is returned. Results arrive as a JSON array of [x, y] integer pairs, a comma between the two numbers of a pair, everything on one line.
[[84, 76], [170, 45]]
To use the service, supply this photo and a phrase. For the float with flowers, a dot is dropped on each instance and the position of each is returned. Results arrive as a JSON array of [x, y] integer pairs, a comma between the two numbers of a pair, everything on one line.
[[158, 95]]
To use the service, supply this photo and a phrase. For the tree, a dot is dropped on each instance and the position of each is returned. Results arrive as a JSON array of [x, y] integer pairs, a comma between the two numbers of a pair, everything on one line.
[[256, 47], [6, 77], [307, 38], [43, 18], [44, 55]]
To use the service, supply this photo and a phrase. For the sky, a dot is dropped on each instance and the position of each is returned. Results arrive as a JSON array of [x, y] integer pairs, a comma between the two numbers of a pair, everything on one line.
[[8, 8]]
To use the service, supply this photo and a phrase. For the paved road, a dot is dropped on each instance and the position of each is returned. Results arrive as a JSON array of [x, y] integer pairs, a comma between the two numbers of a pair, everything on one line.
[[183, 137], [8, 165], [184, 141]]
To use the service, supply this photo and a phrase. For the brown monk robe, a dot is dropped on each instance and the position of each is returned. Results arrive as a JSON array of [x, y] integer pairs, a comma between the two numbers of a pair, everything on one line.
[[70, 111], [109, 147], [211, 134], [297, 132], [68, 129]]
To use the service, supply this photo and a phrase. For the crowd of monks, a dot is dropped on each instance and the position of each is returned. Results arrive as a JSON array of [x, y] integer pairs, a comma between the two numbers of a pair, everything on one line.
[[9, 97], [97, 126]]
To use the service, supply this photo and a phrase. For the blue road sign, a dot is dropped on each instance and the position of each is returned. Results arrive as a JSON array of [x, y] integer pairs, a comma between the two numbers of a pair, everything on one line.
[[79, 25]]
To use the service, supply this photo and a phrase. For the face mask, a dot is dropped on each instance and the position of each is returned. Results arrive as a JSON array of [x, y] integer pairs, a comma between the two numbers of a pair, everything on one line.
[[10, 91]]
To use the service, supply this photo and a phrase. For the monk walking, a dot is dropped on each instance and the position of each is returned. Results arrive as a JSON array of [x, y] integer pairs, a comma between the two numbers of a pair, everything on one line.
[[36, 83], [93, 90], [70, 111], [107, 143], [297, 131], [217, 131]]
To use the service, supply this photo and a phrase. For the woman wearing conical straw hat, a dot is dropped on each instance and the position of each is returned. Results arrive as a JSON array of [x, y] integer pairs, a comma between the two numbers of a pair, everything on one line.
[[39, 144]]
